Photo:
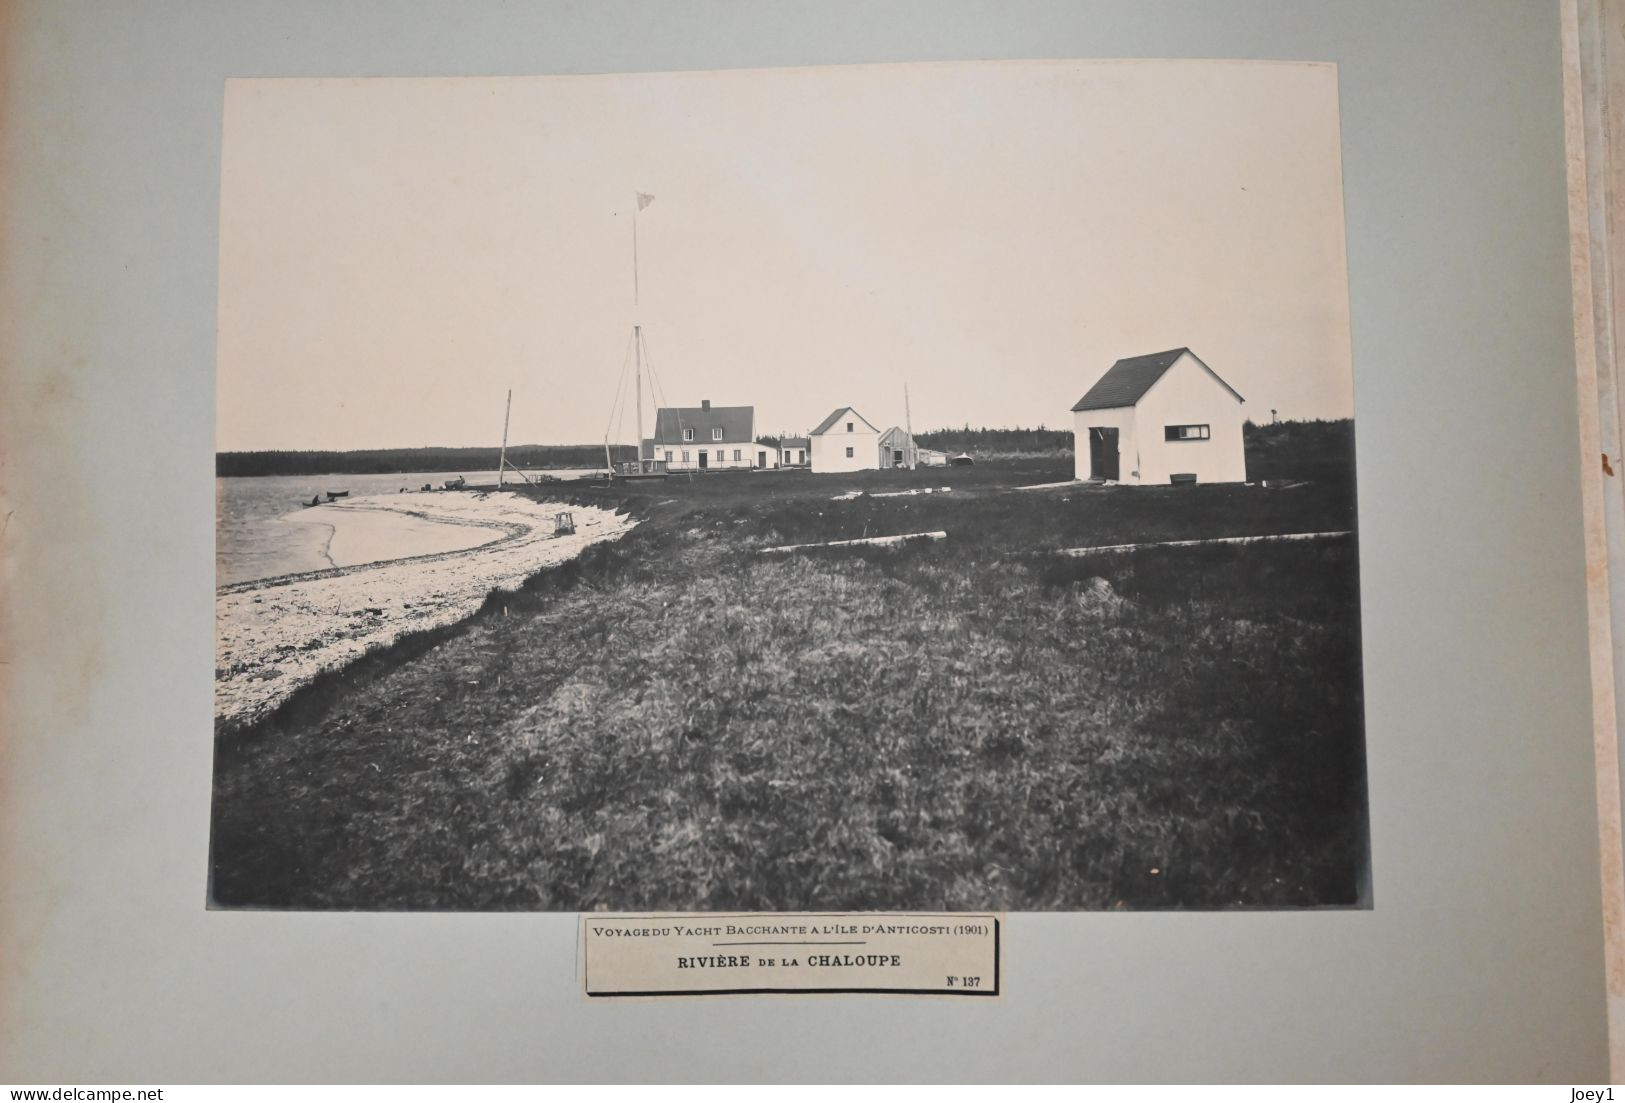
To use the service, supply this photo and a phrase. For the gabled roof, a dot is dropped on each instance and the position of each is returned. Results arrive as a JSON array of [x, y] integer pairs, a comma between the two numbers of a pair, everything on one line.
[[1126, 381], [795, 442], [895, 435], [736, 423], [824, 426]]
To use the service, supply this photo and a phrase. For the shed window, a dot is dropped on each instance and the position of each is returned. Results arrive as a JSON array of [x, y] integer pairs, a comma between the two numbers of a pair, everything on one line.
[[849, 453], [716, 434], [1185, 432], [688, 434]]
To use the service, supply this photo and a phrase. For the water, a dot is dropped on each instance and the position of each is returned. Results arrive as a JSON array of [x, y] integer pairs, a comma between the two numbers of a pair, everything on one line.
[[262, 528]]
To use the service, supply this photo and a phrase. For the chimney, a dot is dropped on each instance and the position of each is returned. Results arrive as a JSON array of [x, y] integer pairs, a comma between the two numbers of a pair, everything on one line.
[[705, 403]]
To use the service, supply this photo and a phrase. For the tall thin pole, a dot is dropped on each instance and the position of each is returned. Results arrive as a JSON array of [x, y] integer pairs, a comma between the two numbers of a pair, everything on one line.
[[637, 334], [502, 459], [636, 203], [908, 427]]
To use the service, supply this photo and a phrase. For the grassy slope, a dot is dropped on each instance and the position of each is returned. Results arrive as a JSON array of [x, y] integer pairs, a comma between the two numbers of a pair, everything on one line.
[[680, 721]]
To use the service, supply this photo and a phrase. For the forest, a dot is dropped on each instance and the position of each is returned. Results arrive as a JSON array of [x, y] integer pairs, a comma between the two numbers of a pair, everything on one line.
[[383, 461]]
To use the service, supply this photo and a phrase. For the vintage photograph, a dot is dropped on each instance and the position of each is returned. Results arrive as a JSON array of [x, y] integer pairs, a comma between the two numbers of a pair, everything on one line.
[[853, 488]]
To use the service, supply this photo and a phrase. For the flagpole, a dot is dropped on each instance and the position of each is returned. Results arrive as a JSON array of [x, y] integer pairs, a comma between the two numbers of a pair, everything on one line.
[[636, 204]]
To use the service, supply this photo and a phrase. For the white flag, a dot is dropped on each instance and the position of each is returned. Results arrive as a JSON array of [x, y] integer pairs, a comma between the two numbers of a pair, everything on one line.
[[644, 200]]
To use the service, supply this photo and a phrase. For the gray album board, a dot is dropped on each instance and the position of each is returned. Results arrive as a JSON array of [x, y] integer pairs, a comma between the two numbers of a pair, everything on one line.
[[1479, 955]]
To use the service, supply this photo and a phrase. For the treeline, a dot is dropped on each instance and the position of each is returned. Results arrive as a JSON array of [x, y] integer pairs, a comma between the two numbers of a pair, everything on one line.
[[386, 461], [1318, 450], [1288, 449], [996, 440]]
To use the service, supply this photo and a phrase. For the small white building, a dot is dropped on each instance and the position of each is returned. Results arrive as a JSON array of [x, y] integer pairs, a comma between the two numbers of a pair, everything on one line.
[[1162, 418], [844, 441], [795, 452]]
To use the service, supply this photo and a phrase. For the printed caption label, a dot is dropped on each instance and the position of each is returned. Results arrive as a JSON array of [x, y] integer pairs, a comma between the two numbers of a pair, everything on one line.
[[903, 953]]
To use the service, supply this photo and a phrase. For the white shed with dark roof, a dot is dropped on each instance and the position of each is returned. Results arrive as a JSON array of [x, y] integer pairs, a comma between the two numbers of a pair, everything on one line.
[[1161, 418]]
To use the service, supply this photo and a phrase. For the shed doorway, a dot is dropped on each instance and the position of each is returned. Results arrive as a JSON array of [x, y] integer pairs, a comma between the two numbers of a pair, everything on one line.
[[1103, 454]]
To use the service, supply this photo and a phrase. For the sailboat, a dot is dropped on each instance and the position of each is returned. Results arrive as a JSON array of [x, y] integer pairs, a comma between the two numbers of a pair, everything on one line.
[[504, 465], [644, 467]]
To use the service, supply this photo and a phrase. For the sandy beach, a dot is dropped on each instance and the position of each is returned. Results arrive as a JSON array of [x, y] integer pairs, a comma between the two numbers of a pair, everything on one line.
[[366, 531], [274, 635]]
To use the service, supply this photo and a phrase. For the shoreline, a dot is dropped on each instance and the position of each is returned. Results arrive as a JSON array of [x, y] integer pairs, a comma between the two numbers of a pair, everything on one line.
[[503, 531], [275, 635], [569, 474]]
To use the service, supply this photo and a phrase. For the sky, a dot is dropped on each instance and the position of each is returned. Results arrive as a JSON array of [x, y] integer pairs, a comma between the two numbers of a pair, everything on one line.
[[396, 254]]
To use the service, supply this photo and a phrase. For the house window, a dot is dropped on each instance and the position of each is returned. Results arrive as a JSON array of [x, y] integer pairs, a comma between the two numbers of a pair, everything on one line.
[[849, 453], [736, 455], [1185, 432], [688, 434], [668, 455], [849, 427], [716, 434], [685, 455]]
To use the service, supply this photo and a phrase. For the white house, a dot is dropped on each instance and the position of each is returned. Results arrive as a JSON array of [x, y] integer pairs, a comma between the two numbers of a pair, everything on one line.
[[844, 441], [706, 438], [795, 452], [1166, 417]]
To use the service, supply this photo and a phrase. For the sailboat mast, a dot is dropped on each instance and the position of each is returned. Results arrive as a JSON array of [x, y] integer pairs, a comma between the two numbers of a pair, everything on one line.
[[502, 457], [637, 336], [908, 427]]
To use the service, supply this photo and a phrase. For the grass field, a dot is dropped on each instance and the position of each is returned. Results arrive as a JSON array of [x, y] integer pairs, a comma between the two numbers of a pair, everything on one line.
[[680, 721]]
